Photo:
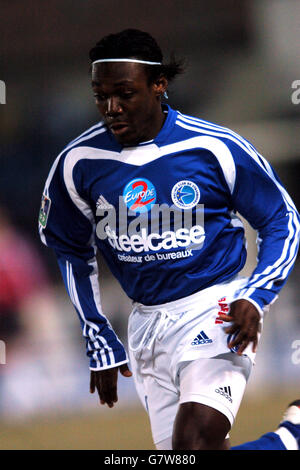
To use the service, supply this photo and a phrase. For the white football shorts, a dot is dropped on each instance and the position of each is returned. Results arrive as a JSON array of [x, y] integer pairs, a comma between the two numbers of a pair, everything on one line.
[[179, 353]]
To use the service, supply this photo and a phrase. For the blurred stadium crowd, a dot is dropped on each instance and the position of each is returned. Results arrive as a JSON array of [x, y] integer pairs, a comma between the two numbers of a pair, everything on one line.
[[241, 58]]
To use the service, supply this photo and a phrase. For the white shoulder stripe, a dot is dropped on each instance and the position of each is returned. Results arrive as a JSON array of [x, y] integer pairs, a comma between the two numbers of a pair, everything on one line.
[[209, 125], [99, 125], [69, 147], [248, 149], [218, 131], [74, 156], [77, 141], [224, 132], [216, 146]]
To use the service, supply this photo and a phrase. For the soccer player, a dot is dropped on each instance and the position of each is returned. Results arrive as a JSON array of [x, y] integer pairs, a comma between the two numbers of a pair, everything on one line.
[[157, 192]]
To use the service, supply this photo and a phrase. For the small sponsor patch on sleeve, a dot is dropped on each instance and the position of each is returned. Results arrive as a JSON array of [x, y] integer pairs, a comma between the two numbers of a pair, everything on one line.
[[44, 210]]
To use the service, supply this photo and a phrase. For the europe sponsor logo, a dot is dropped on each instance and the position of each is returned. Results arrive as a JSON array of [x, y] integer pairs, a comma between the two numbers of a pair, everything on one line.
[[139, 195]]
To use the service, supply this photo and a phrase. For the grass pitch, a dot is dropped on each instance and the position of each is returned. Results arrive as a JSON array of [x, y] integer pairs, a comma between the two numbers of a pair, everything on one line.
[[123, 428]]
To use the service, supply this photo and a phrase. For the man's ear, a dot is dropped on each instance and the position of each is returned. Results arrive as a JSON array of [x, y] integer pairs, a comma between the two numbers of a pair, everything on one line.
[[160, 85]]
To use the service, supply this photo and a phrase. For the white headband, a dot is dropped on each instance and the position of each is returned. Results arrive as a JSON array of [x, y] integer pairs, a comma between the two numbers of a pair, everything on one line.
[[136, 61]]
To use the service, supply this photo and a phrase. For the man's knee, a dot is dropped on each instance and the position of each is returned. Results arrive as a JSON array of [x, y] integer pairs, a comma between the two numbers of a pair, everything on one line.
[[199, 427], [199, 442], [201, 438]]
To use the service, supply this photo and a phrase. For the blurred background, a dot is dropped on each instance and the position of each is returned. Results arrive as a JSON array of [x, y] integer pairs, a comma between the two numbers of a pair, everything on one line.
[[242, 61]]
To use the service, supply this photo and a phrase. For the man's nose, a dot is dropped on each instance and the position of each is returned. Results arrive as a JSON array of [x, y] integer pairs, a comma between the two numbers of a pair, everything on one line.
[[113, 106]]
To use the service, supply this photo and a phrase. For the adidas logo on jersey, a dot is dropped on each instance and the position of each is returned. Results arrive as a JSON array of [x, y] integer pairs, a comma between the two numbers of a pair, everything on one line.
[[201, 338], [225, 392], [103, 204]]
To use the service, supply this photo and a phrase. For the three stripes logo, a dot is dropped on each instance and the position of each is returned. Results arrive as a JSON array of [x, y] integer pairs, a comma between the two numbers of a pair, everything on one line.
[[201, 338], [103, 204], [225, 392]]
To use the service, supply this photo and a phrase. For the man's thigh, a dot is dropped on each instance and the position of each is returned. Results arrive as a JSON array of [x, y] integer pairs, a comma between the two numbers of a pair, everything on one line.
[[200, 427], [217, 382], [211, 391]]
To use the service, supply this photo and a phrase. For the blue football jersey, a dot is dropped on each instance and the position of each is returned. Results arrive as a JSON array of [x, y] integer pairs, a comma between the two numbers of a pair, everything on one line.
[[130, 203]]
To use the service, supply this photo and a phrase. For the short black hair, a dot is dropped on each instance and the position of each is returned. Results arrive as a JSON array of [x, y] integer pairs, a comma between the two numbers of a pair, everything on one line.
[[133, 43]]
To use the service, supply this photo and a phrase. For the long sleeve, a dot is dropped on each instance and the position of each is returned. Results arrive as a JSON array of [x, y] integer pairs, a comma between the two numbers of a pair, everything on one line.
[[260, 197], [66, 225]]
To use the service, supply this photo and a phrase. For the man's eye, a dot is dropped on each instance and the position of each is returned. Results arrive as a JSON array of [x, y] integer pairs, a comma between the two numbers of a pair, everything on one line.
[[99, 97], [124, 95], [127, 94]]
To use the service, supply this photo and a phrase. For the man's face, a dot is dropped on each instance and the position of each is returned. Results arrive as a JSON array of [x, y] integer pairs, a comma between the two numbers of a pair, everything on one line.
[[130, 106]]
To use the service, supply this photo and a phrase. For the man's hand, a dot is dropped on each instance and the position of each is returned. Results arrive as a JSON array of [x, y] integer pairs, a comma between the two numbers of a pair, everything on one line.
[[105, 381], [245, 320]]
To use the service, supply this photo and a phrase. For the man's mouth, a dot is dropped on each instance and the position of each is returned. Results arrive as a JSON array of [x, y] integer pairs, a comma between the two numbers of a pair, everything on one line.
[[118, 128]]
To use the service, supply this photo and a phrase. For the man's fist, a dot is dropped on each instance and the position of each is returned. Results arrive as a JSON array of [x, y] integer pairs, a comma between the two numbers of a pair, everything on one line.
[[245, 326], [105, 381]]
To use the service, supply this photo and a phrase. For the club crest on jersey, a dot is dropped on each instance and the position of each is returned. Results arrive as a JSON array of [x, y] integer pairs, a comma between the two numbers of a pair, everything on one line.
[[139, 195], [185, 194], [44, 210]]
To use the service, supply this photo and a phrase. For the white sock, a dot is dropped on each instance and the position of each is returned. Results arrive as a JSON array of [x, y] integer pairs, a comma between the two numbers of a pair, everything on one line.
[[289, 441]]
